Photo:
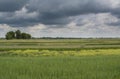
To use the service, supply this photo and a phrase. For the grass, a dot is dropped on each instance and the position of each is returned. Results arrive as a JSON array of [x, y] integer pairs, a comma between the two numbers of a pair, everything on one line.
[[37, 53], [56, 44], [60, 59], [89, 67]]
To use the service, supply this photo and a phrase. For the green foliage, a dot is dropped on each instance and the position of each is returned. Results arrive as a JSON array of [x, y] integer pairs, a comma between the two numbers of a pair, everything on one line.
[[93, 67], [17, 35], [25, 36], [10, 35]]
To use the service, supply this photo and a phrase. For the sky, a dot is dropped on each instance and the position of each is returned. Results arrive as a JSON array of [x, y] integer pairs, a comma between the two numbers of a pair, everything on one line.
[[61, 18]]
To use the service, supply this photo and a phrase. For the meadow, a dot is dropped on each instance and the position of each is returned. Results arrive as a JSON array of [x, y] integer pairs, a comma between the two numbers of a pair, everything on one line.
[[60, 44], [60, 59]]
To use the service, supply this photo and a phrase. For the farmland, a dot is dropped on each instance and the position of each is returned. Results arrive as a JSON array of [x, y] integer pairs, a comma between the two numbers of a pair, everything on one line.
[[60, 59], [90, 67], [60, 44]]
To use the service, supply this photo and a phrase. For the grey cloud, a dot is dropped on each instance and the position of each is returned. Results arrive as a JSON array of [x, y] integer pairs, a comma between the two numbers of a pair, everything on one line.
[[114, 23], [11, 5], [51, 12]]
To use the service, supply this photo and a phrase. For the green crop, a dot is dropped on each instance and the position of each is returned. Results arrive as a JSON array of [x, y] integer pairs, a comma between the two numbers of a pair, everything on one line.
[[88, 67], [30, 52]]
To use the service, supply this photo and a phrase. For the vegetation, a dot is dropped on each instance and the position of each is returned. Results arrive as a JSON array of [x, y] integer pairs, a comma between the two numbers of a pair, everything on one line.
[[60, 44], [93, 67], [17, 35], [60, 59], [25, 36], [35, 52], [10, 35]]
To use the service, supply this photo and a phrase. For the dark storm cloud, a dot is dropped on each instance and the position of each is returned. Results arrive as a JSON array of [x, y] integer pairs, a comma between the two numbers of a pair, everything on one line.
[[11, 5], [55, 11], [51, 12]]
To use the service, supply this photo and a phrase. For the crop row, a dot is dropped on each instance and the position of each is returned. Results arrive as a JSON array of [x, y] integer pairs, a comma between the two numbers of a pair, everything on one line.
[[35, 52]]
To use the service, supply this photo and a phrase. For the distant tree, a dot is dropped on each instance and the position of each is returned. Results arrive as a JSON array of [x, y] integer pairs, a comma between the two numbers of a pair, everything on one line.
[[25, 36], [10, 35], [28, 36], [18, 34]]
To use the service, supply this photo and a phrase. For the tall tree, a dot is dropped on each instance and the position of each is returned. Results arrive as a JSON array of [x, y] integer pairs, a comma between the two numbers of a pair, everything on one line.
[[18, 34]]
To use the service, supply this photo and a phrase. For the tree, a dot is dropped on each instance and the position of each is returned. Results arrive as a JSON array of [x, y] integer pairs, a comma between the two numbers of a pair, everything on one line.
[[25, 36], [10, 35], [18, 34], [28, 36]]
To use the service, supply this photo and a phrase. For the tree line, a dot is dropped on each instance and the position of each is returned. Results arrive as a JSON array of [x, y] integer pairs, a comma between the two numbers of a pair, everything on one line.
[[17, 35]]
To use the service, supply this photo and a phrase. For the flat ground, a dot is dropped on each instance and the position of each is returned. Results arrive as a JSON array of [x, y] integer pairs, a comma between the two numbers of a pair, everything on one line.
[[60, 44], [60, 59]]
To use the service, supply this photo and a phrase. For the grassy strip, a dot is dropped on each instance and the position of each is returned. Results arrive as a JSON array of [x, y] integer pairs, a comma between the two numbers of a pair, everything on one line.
[[35, 52], [59, 49]]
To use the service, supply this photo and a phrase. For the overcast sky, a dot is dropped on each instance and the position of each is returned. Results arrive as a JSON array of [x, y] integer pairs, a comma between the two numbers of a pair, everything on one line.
[[61, 18]]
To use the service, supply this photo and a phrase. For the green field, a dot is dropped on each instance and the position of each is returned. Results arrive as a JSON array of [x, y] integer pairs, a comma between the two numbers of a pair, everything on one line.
[[60, 59], [90, 67], [60, 44]]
